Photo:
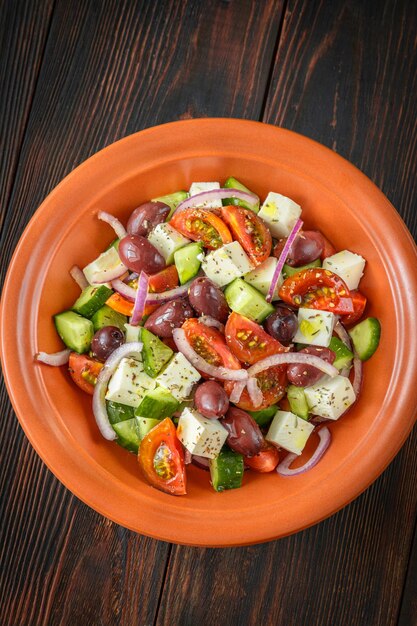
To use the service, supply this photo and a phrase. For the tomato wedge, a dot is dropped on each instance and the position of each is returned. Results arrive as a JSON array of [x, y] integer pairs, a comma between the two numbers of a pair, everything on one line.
[[210, 344], [316, 288], [120, 304], [84, 371], [359, 304], [271, 382], [265, 461], [161, 459], [202, 225], [248, 341], [164, 280], [250, 231]]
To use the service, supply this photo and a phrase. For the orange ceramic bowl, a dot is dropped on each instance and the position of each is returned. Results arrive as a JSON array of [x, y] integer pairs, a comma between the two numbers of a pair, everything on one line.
[[57, 417]]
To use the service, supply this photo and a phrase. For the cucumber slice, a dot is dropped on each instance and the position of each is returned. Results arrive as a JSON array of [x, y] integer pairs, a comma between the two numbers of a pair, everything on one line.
[[155, 354], [91, 300], [288, 271], [157, 404], [172, 200], [133, 333], [226, 470], [145, 424], [75, 331], [108, 317], [128, 434], [343, 355], [188, 261], [263, 417], [248, 301], [365, 337], [298, 401], [233, 183], [118, 412]]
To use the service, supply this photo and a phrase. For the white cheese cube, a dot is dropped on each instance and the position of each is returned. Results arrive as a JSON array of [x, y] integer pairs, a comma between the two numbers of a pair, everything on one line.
[[200, 435], [226, 263], [167, 240], [199, 188], [178, 377], [129, 383], [330, 397], [108, 260], [314, 327], [280, 214], [261, 277], [133, 333], [289, 431], [348, 265]]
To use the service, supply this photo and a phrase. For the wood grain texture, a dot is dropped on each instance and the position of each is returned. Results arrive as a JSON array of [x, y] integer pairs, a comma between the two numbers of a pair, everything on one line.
[[110, 68], [408, 612]]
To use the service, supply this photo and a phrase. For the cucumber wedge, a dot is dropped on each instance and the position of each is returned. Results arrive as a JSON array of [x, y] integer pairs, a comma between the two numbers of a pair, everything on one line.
[[365, 337], [227, 470], [233, 183], [298, 401], [248, 301]]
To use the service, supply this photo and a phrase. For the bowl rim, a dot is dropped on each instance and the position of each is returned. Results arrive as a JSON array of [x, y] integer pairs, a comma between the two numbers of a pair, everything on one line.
[[80, 479]]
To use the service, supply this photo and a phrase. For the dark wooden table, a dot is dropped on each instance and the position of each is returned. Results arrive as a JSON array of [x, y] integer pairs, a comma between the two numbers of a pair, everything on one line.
[[76, 75]]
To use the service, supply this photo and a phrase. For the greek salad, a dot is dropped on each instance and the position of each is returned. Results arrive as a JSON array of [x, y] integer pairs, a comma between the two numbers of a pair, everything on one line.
[[217, 330]]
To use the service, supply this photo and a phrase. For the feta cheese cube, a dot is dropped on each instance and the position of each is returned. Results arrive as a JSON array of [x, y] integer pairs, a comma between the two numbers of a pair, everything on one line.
[[200, 435], [261, 277], [314, 327], [167, 240], [226, 263], [129, 383], [348, 265], [178, 377], [200, 187], [105, 262], [330, 397], [280, 214], [133, 333], [289, 431]]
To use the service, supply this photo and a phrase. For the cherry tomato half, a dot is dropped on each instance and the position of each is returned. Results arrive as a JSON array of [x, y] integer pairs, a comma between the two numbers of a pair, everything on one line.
[[161, 459], [248, 341], [359, 304], [250, 231], [164, 280], [202, 225], [271, 382], [84, 371], [265, 461], [209, 343], [316, 288]]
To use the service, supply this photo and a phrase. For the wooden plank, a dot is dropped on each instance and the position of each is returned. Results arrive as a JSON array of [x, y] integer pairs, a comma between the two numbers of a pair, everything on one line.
[[408, 611], [23, 31], [345, 74], [110, 68]]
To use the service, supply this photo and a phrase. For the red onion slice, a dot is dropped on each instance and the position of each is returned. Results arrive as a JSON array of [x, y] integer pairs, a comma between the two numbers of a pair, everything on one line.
[[201, 462], [106, 276], [117, 226], [284, 467], [55, 358], [293, 357], [141, 295], [211, 321], [221, 373], [124, 290], [343, 335], [187, 456], [77, 274], [199, 199], [357, 375], [282, 258], [237, 391], [165, 296], [254, 392], [99, 400]]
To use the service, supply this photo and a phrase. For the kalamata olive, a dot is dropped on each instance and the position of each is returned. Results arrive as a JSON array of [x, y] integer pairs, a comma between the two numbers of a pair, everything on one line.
[[282, 324], [146, 216], [302, 375], [105, 341], [138, 254], [207, 299], [245, 436], [169, 316], [307, 247], [211, 400]]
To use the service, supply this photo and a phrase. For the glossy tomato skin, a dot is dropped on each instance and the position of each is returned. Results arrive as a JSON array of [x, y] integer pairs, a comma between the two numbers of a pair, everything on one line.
[[272, 383], [250, 231], [84, 371], [161, 459], [359, 305], [202, 225], [248, 341], [165, 280], [210, 344], [265, 461], [319, 289]]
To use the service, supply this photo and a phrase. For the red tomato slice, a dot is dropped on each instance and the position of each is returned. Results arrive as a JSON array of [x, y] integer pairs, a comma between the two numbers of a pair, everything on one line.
[[271, 382], [265, 461], [359, 304], [165, 280], [250, 231], [202, 225], [161, 459], [84, 371], [248, 341], [316, 288], [120, 304], [209, 343]]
